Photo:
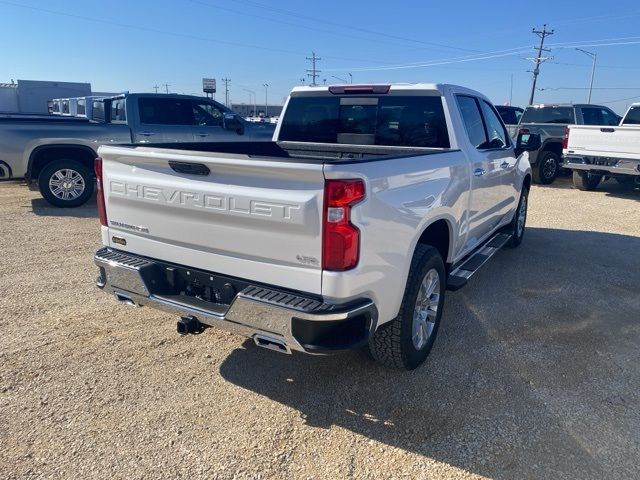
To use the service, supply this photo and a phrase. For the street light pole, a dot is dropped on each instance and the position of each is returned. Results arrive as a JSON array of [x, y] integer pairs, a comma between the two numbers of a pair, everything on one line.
[[593, 57], [266, 99], [254, 100], [350, 78]]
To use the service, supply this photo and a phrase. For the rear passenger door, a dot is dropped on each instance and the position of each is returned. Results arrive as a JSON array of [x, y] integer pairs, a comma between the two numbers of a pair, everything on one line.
[[492, 162], [165, 120]]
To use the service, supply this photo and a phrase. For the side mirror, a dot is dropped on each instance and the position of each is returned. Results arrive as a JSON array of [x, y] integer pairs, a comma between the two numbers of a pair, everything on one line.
[[528, 142], [232, 122]]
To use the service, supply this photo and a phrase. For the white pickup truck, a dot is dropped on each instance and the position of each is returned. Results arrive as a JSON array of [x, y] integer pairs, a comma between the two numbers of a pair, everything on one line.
[[347, 229], [598, 152]]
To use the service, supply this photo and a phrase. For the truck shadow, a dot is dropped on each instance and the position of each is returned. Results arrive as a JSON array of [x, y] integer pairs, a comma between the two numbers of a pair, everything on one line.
[[519, 376], [42, 208], [611, 188]]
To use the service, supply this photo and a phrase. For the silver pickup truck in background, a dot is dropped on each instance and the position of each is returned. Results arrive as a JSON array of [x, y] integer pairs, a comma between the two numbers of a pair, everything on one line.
[[55, 154], [595, 153], [345, 230]]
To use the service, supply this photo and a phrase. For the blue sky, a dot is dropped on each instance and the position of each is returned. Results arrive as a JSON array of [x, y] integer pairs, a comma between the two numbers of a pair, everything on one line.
[[134, 45]]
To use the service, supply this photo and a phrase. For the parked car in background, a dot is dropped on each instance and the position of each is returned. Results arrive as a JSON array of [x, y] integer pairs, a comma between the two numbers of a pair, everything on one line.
[[55, 153], [346, 230], [511, 117], [550, 122], [594, 153]]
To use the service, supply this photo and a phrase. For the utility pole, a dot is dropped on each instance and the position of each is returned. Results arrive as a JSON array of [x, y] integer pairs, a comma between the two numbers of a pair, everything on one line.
[[511, 91], [166, 88], [593, 69], [156, 87], [226, 90], [266, 99], [314, 73], [539, 59]]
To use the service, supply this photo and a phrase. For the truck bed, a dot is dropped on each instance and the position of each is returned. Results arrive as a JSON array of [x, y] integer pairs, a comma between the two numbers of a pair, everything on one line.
[[610, 142], [284, 151]]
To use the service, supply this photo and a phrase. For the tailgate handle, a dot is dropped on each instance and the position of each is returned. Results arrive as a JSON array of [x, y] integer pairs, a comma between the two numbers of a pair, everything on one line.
[[608, 130], [190, 168]]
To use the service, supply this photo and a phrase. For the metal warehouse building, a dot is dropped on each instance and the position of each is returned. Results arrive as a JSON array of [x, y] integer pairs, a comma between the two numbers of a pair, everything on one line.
[[31, 96]]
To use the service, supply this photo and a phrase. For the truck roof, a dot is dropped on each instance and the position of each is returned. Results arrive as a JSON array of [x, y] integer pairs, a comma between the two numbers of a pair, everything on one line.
[[434, 87], [572, 105]]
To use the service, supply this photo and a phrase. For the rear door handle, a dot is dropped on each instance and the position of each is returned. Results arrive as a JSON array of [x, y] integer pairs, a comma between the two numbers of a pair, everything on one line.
[[478, 172], [147, 134]]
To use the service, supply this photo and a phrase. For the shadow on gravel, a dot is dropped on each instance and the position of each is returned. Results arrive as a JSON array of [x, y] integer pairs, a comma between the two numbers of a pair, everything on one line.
[[42, 208], [532, 375]]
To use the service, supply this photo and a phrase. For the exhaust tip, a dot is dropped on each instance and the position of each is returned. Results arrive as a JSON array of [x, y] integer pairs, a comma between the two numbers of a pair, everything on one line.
[[271, 343]]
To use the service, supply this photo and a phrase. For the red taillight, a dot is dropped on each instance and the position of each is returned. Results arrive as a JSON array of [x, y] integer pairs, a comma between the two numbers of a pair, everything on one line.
[[102, 211], [565, 139], [340, 238]]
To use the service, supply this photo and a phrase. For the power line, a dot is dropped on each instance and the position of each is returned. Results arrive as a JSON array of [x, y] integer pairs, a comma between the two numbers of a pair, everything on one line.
[[539, 59], [352, 27], [314, 72]]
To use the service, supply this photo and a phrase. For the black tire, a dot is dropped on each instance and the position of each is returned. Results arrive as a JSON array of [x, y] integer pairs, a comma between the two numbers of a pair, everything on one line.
[[517, 230], [75, 198], [585, 180], [393, 343], [547, 168]]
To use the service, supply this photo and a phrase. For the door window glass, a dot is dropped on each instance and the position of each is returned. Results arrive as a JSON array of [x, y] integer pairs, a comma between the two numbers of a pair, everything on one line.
[[166, 111], [472, 120], [207, 114], [497, 134]]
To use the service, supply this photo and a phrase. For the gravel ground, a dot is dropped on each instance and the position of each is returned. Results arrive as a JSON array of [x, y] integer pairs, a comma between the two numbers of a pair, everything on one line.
[[535, 374]]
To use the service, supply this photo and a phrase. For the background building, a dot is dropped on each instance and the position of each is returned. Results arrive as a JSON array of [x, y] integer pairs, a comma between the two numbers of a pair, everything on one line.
[[246, 110], [31, 96]]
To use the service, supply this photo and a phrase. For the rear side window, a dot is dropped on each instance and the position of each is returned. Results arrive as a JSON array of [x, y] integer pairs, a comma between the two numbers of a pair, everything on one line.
[[118, 112], [472, 119], [632, 117], [548, 114], [404, 121], [166, 111]]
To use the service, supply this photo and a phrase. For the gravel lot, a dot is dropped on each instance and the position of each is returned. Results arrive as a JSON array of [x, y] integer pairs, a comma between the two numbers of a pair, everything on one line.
[[535, 373]]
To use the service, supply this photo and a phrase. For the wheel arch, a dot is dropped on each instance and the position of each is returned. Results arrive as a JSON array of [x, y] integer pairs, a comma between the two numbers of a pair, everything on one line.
[[439, 234], [42, 154]]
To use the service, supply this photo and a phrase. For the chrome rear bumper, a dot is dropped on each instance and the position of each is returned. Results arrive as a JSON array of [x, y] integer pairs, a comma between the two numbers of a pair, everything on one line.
[[616, 166], [301, 322]]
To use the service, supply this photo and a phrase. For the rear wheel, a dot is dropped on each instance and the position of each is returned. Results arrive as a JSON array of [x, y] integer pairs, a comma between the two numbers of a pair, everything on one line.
[[585, 180], [519, 220], [405, 342], [66, 183], [546, 170]]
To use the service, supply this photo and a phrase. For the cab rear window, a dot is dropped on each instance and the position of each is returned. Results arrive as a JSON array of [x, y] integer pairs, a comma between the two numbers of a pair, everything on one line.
[[548, 115], [405, 121], [632, 117]]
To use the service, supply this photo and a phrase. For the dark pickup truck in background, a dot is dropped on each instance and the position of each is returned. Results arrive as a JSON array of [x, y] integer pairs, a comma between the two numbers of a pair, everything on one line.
[[55, 154], [550, 121]]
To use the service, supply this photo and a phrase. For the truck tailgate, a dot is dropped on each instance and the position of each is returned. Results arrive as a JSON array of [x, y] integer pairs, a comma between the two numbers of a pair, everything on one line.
[[619, 142], [251, 218]]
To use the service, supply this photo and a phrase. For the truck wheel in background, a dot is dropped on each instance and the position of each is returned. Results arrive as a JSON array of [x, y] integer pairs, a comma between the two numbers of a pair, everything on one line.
[[66, 183], [406, 341], [546, 170], [585, 180], [628, 180], [519, 220]]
